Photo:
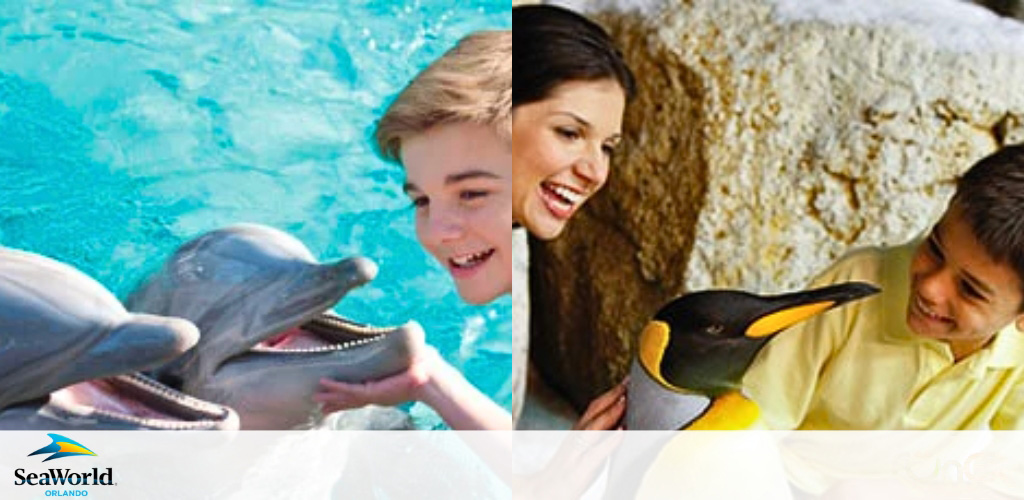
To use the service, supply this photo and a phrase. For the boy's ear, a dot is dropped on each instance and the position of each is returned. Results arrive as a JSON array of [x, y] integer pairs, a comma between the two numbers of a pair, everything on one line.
[[1020, 323]]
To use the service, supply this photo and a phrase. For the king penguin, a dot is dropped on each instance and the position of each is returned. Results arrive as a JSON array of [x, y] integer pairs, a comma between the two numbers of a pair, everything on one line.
[[694, 352]]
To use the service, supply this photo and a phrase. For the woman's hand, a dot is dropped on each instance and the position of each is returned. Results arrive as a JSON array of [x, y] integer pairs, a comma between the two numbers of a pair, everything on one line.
[[605, 412], [581, 456], [396, 389]]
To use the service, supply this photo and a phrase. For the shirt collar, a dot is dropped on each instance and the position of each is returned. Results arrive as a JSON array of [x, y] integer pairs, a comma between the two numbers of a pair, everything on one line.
[[1007, 348]]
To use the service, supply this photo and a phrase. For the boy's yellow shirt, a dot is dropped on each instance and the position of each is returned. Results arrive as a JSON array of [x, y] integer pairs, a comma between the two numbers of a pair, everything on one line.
[[860, 367]]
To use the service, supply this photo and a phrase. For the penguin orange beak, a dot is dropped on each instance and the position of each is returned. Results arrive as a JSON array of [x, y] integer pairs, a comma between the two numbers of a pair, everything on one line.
[[803, 305]]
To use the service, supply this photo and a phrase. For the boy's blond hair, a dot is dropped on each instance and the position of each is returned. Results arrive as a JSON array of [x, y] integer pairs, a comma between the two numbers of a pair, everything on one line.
[[471, 83]]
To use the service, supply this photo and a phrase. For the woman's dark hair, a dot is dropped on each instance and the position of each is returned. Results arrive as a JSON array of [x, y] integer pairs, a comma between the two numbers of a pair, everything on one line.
[[553, 45]]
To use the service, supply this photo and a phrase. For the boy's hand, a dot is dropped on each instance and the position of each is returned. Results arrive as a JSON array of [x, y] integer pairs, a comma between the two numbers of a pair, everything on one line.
[[396, 389]]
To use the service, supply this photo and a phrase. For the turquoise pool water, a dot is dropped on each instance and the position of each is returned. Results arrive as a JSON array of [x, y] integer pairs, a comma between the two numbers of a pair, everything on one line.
[[128, 127]]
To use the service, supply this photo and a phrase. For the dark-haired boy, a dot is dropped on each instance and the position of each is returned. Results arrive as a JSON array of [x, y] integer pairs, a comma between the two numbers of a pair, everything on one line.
[[941, 347]]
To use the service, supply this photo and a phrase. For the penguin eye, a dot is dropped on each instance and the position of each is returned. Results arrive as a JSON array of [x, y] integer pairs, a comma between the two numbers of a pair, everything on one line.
[[713, 329]]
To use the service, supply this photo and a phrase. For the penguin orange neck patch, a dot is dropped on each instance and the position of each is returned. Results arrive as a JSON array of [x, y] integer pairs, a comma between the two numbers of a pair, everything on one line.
[[653, 342]]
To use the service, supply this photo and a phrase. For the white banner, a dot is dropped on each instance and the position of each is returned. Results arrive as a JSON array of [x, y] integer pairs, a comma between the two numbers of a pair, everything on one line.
[[534, 465]]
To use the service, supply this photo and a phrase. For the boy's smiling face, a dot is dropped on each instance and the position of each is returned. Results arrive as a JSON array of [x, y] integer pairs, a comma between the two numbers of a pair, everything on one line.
[[958, 294], [457, 178]]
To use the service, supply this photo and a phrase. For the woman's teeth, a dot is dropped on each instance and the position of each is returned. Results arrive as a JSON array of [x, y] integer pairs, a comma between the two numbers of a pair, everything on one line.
[[470, 260], [564, 195], [569, 195]]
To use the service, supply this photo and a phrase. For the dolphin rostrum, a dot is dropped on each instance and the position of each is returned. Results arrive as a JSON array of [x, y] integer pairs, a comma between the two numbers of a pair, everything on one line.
[[260, 300], [69, 350]]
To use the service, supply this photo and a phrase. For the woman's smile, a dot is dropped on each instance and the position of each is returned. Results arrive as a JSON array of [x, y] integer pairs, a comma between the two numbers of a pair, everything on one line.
[[561, 200]]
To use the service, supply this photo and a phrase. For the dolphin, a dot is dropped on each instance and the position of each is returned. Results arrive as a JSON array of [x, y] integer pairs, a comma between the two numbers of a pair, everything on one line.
[[261, 301], [69, 352]]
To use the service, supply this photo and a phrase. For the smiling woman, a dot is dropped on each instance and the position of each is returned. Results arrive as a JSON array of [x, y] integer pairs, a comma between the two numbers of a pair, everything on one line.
[[570, 91], [563, 147]]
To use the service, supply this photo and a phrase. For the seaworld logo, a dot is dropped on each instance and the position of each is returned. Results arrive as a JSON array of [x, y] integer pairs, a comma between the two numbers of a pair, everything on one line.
[[62, 447], [59, 448]]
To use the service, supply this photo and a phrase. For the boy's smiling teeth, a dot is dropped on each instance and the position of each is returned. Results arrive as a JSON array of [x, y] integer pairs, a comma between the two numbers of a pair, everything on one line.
[[470, 260], [928, 312]]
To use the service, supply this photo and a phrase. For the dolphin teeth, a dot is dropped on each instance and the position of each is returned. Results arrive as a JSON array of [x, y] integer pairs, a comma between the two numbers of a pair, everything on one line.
[[334, 333], [327, 348], [183, 412], [333, 322]]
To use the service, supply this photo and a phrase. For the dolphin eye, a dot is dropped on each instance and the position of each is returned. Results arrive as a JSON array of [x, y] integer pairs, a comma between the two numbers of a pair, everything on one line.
[[714, 329]]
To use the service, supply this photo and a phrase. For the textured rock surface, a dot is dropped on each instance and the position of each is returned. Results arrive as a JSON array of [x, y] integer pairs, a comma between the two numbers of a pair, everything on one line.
[[768, 138]]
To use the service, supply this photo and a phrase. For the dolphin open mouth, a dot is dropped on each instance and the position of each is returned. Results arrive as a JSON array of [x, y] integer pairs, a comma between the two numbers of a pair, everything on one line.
[[137, 401], [271, 384], [327, 332]]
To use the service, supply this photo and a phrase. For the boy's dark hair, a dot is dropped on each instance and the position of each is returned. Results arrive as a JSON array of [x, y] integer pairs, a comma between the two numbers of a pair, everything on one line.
[[991, 197], [555, 45]]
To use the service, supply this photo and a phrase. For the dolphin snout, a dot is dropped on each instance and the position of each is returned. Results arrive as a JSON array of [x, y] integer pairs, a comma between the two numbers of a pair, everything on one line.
[[154, 340], [355, 271]]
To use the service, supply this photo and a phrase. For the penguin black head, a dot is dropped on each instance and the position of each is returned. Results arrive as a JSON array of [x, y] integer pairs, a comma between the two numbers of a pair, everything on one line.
[[704, 341]]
